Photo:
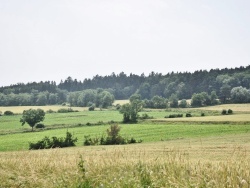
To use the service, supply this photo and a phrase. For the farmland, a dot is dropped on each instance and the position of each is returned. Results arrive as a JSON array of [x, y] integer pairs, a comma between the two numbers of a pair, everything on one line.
[[209, 151]]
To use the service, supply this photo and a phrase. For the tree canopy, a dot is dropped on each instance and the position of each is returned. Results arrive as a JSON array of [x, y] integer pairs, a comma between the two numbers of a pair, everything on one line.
[[121, 86], [32, 117]]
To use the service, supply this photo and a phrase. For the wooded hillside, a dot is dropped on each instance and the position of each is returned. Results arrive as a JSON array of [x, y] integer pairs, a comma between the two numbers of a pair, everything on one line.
[[121, 86]]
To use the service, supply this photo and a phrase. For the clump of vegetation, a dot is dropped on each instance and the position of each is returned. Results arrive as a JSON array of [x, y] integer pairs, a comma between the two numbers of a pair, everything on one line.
[[113, 138], [117, 106], [8, 113], [40, 126], [66, 110], [202, 114], [146, 116], [92, 107], [224, 112], [183, 103], [88, 141], [174, 116], [227, 112], [55, 142], [230, 111], [188, 115], [50, 111], [32, 117], [130, 110]]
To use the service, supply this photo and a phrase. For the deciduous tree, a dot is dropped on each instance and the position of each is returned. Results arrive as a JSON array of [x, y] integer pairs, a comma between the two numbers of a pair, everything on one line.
[[32, 117]]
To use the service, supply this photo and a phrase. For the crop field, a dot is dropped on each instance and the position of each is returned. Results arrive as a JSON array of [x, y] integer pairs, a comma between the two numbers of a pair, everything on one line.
[[238, 108], [208, 151], [205, 162], [235, 118]]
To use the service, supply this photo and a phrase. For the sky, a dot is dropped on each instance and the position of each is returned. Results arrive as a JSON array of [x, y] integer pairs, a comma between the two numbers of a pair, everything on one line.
[[49, 40]]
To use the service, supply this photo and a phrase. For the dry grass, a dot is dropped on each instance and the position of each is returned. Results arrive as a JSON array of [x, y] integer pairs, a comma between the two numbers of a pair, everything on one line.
[[211, 162], [121, 102], [235, 107], [234, 118]]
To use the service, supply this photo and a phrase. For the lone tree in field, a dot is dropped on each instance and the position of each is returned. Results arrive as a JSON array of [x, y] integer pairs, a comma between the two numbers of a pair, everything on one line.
[[32, 117], [130, 110]]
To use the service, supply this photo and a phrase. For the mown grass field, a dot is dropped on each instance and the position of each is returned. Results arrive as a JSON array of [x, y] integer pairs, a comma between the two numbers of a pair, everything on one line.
[[146, 132], [209, 151]]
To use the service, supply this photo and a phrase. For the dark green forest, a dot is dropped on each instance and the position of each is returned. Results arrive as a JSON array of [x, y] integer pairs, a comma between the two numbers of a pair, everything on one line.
[[202, 86]]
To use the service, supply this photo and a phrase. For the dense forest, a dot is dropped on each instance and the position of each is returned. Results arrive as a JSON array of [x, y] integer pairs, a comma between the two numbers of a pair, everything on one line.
[[221, 85]]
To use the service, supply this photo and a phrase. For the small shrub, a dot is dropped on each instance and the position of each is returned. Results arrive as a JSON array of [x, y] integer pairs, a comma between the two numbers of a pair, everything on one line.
[[88, 124], [40, 126], [113, 138], [188, 115], [8, 113], [90, 141], [66, 110], [55, 142], [92, 108], [224, 112], [202, 114], [111, 122], [146, 116], [230, 111], [174, 116], [50, 111], [133, 141], [100, 123], [118, 107]]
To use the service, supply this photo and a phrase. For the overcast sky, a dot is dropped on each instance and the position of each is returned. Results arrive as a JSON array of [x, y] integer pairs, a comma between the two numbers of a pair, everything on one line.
[[44, 40]]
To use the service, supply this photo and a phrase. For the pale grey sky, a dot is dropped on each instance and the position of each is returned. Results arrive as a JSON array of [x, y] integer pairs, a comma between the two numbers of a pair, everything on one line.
[[44, 40]]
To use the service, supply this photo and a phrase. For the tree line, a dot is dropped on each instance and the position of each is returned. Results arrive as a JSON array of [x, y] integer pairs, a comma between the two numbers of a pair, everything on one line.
[[229, 85]]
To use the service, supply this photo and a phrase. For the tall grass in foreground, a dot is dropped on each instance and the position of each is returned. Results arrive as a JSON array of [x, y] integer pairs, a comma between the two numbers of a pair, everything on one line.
[[121, 167]]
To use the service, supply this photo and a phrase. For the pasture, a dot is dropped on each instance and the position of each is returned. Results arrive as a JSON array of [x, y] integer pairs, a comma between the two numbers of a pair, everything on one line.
[[209, 151]]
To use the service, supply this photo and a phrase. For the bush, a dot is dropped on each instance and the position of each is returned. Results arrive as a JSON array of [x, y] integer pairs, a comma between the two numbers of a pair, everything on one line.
[[47, 143], [90, 141], [111, 122], [40, 126], [113, 138], [202, 114], [92, 108], [230, 111], [174, 116], [188, 115], [50, 111], [146, 116], [66, 110], [224, 112], [118, 107], [8, 113]]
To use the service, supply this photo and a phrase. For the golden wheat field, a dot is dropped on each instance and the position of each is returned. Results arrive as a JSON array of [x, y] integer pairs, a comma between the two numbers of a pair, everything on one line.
[[211, 162]]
